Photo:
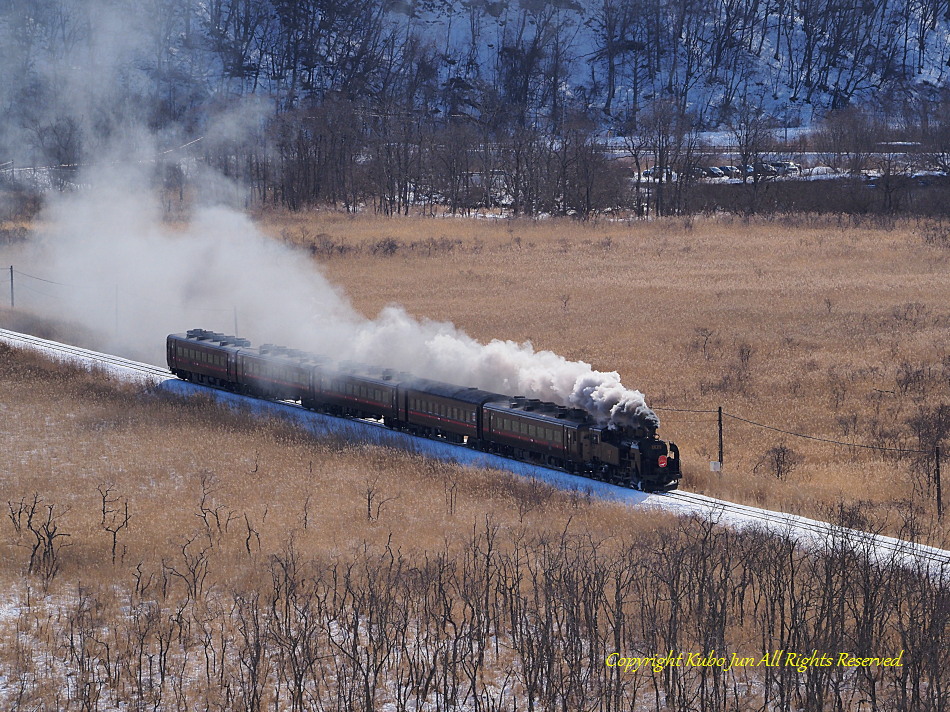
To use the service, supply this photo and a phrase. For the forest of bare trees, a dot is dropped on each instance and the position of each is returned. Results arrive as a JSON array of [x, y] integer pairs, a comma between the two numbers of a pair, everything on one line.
[[510, 620], [463, 105]]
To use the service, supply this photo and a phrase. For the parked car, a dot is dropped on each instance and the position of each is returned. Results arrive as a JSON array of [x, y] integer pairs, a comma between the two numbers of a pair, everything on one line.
[[786, 168], [714, 172], [765, 169], [656, 173], [731, 171]]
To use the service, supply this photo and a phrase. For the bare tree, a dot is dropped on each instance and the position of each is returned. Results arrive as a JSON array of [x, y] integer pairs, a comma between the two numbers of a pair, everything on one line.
[[114, 519], [43, 522]]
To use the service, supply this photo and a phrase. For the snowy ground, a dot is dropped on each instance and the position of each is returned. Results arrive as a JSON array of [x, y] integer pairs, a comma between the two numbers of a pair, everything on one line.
[[809, 532]]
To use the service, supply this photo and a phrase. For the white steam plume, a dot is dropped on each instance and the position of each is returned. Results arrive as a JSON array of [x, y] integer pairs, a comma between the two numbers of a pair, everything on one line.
[[442, 351], [114, 266], [105, 258]]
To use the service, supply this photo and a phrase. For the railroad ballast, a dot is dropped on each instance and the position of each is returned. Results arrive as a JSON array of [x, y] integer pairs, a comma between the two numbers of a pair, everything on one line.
[[513, 426]]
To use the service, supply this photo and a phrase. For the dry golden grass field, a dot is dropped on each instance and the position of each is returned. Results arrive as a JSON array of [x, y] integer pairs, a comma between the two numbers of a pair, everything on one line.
[[187, 465], [830, 327], [173, 554], [825, 326], [262, 568]]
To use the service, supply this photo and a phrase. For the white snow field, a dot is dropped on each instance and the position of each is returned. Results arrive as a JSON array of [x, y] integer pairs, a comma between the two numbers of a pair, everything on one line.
[[809, 533]]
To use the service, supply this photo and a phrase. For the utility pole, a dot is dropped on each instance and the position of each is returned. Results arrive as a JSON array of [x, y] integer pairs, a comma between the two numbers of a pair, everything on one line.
[[12, 302], [937, 482], [720, 438]]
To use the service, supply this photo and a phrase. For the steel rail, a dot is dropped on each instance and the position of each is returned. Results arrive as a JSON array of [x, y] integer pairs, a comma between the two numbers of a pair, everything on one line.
[[778, 521]]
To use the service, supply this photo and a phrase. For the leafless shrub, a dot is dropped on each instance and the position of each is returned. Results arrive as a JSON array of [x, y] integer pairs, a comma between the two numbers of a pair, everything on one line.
[[704, 340], [847, 424], [930, 425], [254, 536], [851, 515], [295, 627], [375, 499], [936, 234], [305, 514], [252, 644], [744, 352], [193, 568], [451, 496], [917, 379], [436, 246], [87, 651], [45, 539], [910, 314], [216, 518], [114, 518], [780, 461], [386, 247], [12, 235], [323, 245], [736, 375], [506, 617], [837, 390]]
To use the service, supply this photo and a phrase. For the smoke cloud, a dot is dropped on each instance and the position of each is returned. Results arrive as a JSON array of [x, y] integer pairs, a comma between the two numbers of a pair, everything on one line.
[[113, 265], [440, 350], [105, 258]]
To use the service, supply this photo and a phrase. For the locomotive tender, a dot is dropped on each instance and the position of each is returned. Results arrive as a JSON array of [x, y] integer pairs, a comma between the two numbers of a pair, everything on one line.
[[513, 426]]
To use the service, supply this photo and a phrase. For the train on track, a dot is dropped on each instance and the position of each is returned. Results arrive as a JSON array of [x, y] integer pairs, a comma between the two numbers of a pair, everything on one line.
[[512, 426]]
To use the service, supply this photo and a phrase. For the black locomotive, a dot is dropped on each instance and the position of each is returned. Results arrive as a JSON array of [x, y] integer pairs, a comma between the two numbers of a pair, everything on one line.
[[512, 426]]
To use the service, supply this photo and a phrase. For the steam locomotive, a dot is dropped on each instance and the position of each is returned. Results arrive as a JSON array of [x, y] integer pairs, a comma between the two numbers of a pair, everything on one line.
[[512, 426]]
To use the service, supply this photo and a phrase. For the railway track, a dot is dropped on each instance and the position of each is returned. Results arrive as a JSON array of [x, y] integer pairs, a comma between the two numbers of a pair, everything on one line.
[[808, 531], [886, 549], [144, 371]]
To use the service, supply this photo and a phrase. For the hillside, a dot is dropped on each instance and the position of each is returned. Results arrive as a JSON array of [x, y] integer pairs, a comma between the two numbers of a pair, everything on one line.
[[462, 104]]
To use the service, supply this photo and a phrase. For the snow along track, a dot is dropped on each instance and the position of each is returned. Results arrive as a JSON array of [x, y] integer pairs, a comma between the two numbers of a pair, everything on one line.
[[809, 532], [116, 365], [814, 532]]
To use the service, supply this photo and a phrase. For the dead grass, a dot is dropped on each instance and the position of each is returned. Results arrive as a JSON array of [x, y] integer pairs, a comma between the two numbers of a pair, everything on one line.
[[253, 546], [832, 327], [193, 471]]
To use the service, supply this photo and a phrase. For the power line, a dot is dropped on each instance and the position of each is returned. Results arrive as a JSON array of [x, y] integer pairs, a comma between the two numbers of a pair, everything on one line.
[[824, 440], [181, 307], [683, 410], [42, 294], [49, 281]]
